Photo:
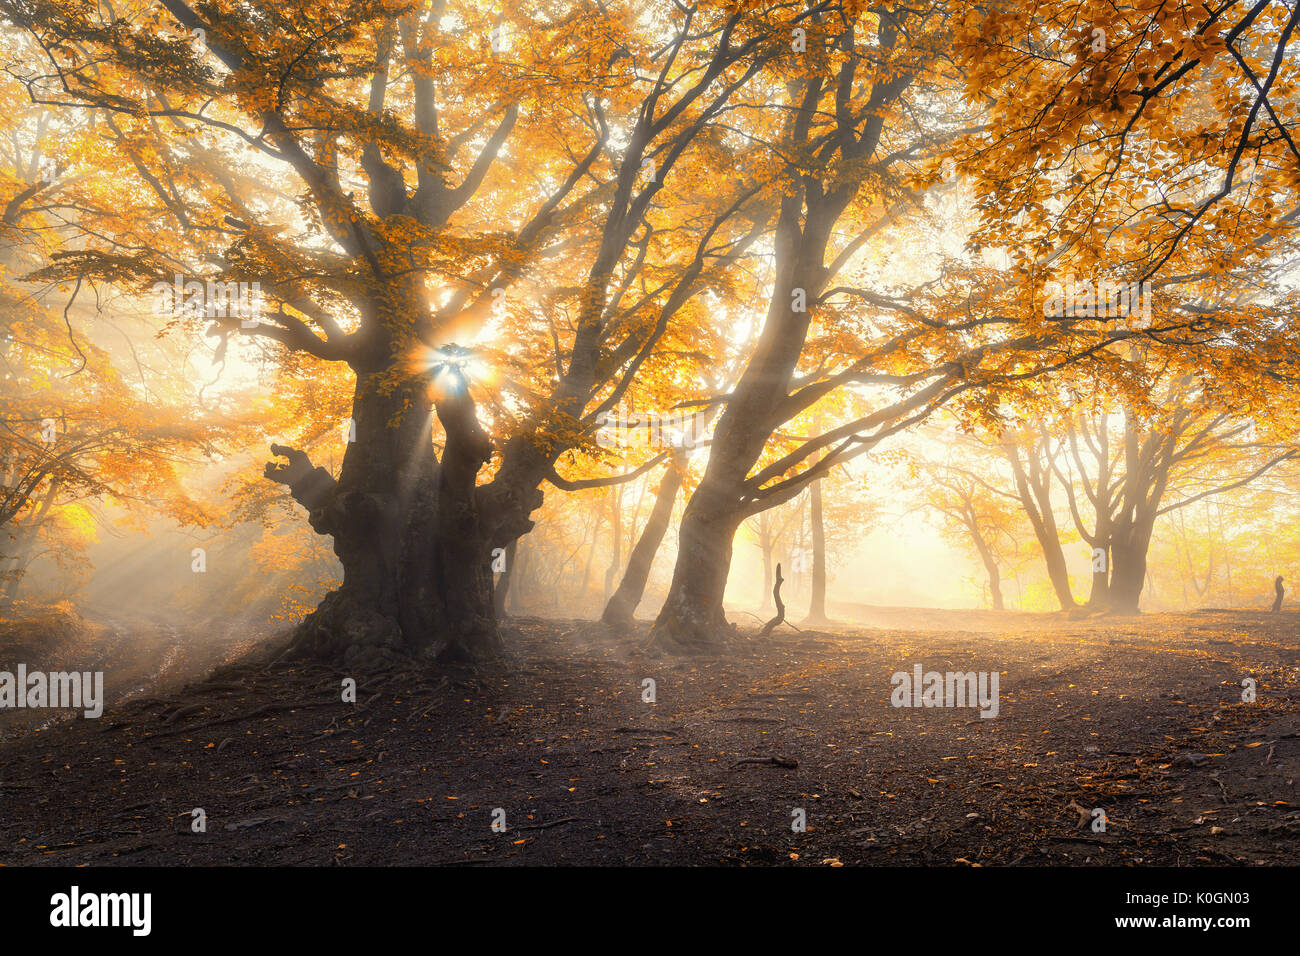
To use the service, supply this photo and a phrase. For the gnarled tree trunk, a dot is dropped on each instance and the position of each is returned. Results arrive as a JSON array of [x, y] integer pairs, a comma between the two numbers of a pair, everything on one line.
[[692, 615], [406, 527]]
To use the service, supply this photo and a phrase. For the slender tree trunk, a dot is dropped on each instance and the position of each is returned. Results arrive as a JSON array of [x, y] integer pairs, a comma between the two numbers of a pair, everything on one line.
[[766, 543], [24, 542], [521, 581], [14, 582], [591, 554], [616, 538], [995, 587], [622, 606], [1227, 557], [1035, 495], [772, 624], [22, 547], [1099, 596], [501, 590], [1057, 571], [817, 605], [990, 563]]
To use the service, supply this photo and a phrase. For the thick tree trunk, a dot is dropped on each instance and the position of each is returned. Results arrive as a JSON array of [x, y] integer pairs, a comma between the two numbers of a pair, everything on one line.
[[462, 562], [692, 616], [1099, 596], [1129, 567], [1147, 465], [817, 605], [622, 606], [995, 588], [1057, 571], [417, 573], [1126, 583]]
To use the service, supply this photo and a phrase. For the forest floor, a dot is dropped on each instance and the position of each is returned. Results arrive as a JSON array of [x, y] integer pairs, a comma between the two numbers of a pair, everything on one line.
[[1141, 717]]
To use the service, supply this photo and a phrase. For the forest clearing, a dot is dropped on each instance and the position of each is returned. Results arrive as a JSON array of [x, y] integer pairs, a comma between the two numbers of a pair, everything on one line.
[[1145, 721]]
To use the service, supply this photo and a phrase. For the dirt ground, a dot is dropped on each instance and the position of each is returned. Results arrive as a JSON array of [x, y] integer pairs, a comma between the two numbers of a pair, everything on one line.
[[1139, 717]]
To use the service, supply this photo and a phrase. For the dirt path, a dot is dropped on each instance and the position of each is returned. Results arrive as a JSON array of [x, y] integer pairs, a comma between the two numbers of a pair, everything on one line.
[[140, 655], [1141, 718]]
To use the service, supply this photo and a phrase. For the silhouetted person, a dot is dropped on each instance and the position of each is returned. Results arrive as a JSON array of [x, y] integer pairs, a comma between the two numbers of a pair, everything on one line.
[[1277, 586]]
